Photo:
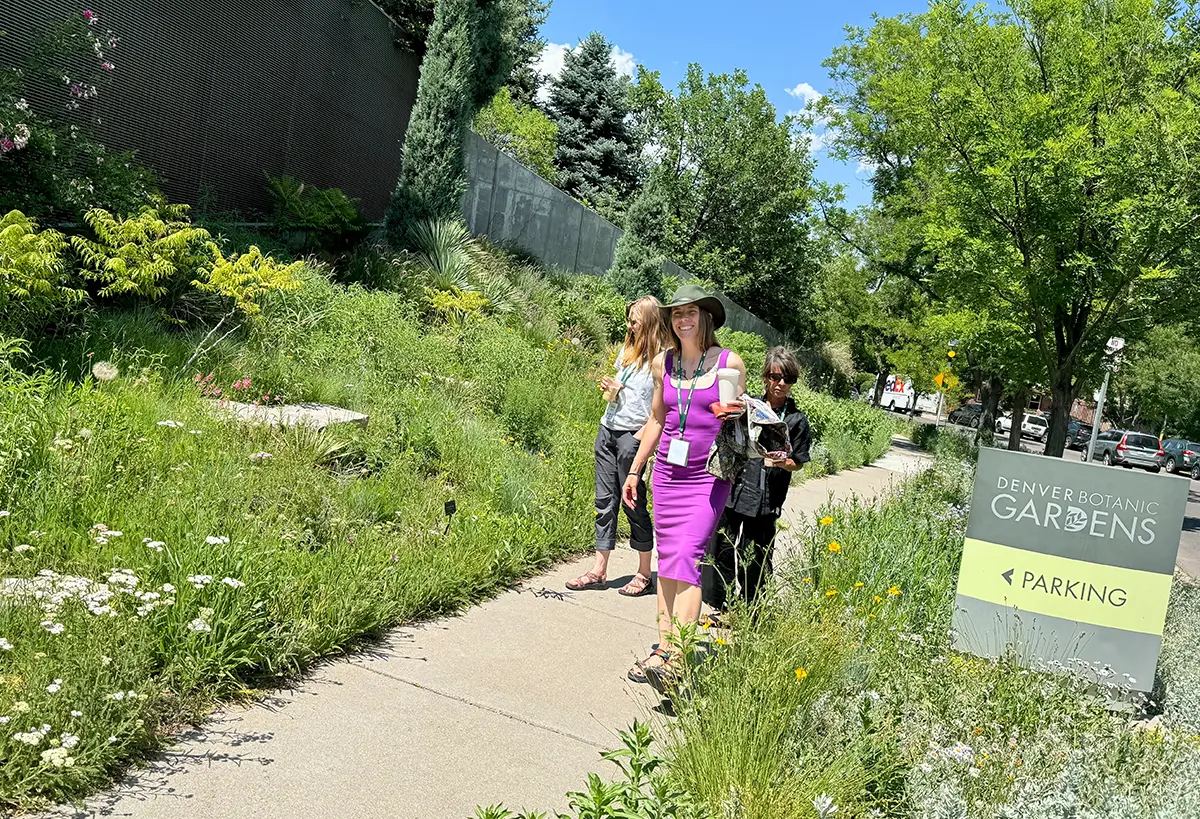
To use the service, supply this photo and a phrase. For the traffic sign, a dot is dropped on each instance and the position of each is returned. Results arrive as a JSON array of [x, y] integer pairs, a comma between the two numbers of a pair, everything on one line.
[[1067, 561]]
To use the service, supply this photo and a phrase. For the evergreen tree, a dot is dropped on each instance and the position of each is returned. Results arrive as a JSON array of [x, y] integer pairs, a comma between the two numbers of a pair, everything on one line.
[[596, 151], [525, 81], [470, 53], [638, 261]]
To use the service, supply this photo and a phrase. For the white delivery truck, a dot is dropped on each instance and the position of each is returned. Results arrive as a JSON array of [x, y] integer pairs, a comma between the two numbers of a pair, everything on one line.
[[899, 396]]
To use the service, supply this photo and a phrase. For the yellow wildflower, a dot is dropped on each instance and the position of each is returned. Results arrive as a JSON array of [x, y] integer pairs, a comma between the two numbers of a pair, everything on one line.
[[720, 641], [808, 580], [835, 546], [878, 599], [859, 585], [894, 591], [801, 673], [831, 593], [825, 521]]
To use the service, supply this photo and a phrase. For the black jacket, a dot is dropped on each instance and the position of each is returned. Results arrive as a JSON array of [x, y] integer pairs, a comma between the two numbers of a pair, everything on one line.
[[756, 495]]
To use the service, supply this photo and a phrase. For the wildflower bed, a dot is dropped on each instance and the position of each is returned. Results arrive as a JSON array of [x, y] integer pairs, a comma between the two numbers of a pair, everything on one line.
[[156, 556], [842, 696]]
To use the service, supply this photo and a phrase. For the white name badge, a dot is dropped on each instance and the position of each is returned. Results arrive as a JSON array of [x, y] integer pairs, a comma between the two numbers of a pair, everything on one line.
[[677, 451]]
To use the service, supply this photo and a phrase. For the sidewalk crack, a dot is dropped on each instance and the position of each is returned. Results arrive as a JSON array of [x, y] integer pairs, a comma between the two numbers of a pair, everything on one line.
[[482, 706]]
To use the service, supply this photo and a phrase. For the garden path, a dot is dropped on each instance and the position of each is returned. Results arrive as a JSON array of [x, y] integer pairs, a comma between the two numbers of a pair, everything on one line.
[[512, 701]]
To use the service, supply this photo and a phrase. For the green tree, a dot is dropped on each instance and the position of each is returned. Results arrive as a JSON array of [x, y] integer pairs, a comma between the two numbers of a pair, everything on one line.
[[738, 182], [470, 53], [596, 156], [1053, 157], [521, 130], [638, 260], [1155, 387], [525, 81]]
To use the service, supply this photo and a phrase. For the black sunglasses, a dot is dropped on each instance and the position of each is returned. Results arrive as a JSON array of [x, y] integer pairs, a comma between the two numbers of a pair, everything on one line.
[[779, 377]]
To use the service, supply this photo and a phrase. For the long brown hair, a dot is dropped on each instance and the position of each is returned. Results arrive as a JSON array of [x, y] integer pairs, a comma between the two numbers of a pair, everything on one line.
[[708, 333], [641, 348]]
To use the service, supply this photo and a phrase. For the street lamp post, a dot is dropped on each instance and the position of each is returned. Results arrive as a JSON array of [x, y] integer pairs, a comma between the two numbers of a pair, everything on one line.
[[1112, 349]]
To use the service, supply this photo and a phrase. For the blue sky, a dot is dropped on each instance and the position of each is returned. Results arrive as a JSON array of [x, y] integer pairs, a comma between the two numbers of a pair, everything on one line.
[[780, 45]]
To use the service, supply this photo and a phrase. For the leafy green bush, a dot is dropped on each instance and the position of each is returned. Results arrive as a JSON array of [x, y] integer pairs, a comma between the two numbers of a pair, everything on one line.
[[144, 255], [51, 167], [314, 219], [34, 281]]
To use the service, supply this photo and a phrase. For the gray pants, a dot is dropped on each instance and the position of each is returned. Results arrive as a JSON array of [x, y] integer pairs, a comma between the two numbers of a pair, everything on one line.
[[615, 452]]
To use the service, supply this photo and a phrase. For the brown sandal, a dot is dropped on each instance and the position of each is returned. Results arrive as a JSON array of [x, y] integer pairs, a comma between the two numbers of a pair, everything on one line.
[[587, 582], [638, 673], [637, 587]]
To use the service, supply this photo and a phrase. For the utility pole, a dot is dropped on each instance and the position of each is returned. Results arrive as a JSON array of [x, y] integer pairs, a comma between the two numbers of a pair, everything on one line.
[[1112, 349]]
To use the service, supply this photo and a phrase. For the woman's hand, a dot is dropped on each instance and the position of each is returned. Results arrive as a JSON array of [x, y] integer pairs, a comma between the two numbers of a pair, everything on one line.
[[608, 382], [629, 490]]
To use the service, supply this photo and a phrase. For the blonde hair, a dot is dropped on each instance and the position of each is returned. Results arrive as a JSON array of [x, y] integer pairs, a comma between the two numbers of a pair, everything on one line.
[[641, 348], [708, 332]]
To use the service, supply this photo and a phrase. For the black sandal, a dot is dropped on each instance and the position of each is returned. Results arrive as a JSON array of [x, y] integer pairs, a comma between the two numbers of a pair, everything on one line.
[[638, 673]]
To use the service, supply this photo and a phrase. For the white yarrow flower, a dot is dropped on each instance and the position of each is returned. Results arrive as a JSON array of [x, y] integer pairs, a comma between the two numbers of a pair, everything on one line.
[[76, 714], [69, 740], [171, 424], [54, 687], [24, 547], [5, 645], [216, 540], [4, 513], [155, 545], [261, 456], [53, 627], [231, 583], [199, 625], [824, 806]]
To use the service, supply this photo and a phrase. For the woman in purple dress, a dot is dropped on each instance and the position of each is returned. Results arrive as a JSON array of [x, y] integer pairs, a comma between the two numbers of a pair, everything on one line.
[[688, 501]]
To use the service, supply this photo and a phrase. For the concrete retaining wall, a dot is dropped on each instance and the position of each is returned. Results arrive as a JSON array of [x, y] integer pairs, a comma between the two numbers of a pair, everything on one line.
[[508, 203]]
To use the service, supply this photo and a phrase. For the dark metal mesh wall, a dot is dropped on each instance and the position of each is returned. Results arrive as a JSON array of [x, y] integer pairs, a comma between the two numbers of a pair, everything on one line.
[[216, 93]]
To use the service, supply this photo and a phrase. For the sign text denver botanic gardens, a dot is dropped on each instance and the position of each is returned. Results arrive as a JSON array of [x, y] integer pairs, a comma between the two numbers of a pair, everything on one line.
[[1066, 561]]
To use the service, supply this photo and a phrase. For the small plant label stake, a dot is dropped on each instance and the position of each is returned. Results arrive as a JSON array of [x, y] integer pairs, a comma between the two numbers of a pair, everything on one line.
[[451, 508], [1068, 565]]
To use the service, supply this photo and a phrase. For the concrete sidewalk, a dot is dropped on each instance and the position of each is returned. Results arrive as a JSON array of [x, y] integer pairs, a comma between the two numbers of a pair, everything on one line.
[[511, 702]]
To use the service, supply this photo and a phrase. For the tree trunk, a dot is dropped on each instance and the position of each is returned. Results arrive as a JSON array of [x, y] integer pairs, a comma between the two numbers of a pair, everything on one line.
[[993, 389], [1062, 393], [880, 383], [1018, 417]]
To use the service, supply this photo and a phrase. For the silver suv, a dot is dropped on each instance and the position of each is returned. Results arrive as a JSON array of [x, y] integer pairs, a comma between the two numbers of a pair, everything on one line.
[[1125, 448]]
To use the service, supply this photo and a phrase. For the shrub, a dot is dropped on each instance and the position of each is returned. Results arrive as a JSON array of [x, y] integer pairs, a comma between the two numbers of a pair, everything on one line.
[[33, 273], [52, 168], [146, 255], [314, 219]]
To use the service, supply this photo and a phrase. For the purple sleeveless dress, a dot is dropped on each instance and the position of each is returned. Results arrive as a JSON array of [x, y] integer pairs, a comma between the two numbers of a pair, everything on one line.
[[688, 502]]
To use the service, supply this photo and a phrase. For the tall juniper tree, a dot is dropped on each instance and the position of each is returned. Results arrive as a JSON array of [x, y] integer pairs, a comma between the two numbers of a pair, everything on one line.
[[596, 154], [470, 53]]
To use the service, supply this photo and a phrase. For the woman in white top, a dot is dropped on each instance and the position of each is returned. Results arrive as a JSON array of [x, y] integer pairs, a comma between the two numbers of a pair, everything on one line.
[[630, 395]]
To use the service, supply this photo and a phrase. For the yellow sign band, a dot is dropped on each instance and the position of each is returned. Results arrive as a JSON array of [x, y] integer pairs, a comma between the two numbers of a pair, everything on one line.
[[1092, 593]]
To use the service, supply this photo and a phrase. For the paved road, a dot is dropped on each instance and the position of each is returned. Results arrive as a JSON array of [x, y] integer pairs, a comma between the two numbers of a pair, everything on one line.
[[1189, 539]]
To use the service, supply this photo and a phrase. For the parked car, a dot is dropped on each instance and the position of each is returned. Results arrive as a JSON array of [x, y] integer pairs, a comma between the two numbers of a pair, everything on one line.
[[1182, 455], [1032, 426], [1118, 447], [967, 415], [1079, 435]]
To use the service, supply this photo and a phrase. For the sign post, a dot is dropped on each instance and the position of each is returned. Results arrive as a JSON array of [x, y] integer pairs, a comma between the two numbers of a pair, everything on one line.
[[1067, 562]]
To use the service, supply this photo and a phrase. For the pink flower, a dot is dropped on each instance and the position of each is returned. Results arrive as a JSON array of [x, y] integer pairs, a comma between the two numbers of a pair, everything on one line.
[[6, 145], [90, 16], [107, 66]]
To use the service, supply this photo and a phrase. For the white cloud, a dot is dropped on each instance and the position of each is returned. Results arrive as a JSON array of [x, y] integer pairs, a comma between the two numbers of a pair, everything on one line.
[[550, 63], [806, 92], [865, 166], [622, 61]]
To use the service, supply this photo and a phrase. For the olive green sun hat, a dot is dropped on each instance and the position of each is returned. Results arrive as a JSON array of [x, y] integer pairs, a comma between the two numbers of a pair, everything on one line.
[[695, 294]]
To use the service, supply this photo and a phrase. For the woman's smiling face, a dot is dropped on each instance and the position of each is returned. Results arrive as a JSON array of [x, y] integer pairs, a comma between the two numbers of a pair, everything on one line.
[[686, 320]]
